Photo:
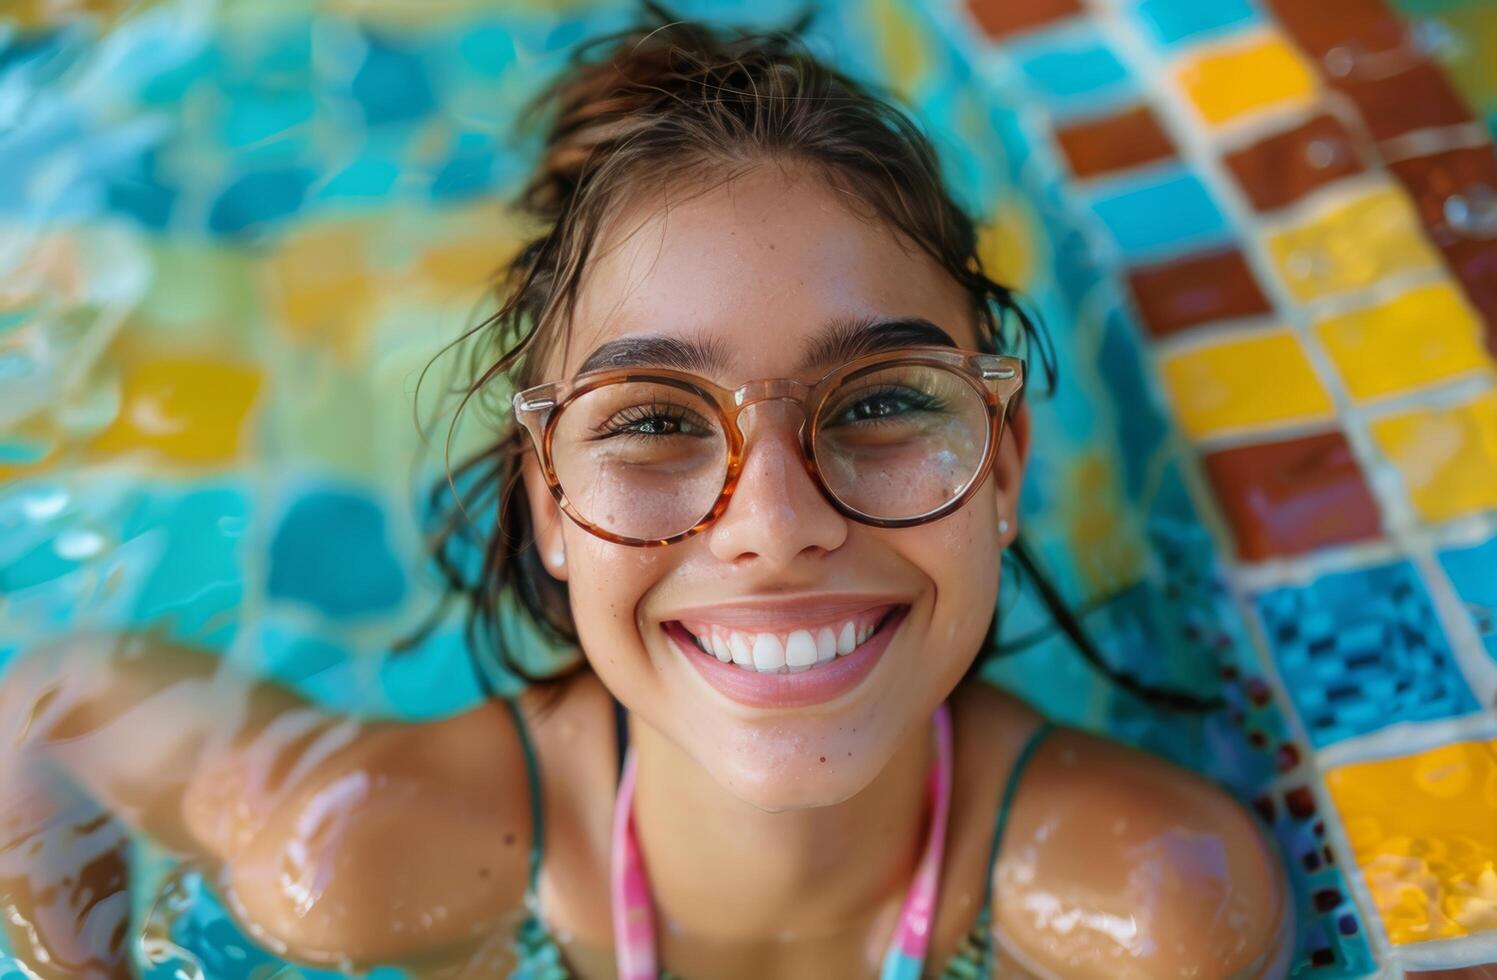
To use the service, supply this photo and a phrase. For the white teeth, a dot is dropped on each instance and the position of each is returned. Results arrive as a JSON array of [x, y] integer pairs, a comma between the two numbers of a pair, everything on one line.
[[720, 648], [826, 645], [768, 654], [773, 653], [800, 650]]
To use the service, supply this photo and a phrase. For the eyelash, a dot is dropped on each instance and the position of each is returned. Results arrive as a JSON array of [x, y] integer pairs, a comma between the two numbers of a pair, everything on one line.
[[616, 424]]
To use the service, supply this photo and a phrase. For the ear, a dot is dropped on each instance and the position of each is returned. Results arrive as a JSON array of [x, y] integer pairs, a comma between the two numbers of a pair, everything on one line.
[[545, 517], [1008, 470]]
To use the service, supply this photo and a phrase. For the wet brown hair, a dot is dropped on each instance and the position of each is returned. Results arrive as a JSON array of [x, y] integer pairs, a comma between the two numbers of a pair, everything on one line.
[[685, 104]]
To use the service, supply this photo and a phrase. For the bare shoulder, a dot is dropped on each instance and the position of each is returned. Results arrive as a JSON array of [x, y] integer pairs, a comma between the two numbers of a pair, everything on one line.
[[1118, 863], [373, 843]]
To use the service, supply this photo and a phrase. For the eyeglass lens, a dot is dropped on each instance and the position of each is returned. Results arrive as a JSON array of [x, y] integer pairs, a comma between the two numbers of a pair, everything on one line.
[[647, 459]]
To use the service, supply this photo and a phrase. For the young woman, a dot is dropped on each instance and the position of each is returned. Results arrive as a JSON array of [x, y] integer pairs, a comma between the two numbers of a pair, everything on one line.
[[766, 454]]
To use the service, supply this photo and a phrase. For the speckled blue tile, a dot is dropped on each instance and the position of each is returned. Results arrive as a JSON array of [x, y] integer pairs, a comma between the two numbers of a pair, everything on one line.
[[1361, 650]]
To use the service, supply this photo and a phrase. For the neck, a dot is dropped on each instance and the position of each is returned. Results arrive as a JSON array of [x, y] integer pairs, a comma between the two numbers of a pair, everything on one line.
[[722, 869]]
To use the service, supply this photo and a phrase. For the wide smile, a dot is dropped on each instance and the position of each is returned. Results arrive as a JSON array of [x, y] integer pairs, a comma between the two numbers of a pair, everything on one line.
[[809, 665]]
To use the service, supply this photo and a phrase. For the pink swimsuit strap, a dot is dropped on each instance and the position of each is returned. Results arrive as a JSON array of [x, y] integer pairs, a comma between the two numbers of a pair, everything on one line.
[[634, 912]]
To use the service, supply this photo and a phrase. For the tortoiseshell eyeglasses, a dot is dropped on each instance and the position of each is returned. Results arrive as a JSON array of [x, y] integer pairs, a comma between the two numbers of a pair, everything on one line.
[[651, 456]]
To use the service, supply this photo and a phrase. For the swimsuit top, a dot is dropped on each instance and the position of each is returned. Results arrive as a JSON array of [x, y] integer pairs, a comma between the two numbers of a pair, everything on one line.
[[539, 957]]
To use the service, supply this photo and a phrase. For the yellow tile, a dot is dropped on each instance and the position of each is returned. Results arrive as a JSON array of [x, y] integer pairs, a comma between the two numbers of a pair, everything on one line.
[[1352, 245], [1244, 384], [1425, 335], [1423, 830], [1007, 244], [903, 46], [1230, 80], [1448, 457], [320, 285], [191, 409], [56, 13]]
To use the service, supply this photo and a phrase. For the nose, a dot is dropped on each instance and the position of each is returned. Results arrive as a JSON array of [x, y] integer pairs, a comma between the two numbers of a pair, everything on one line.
[[777, 511]]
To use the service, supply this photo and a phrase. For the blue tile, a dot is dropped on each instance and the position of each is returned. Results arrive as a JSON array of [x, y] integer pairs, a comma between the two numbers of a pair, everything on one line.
[[366, 177], [1473, 571], [1361, 650], [194, 582], [1173, 21], [258, 198], [1068, 65], [331, 551], [1159, 210], [469, 171], [488, 48], [392, 84]]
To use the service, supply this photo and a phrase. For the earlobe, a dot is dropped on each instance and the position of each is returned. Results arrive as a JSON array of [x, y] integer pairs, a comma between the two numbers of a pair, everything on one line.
[[545, 519], [1013, 456]]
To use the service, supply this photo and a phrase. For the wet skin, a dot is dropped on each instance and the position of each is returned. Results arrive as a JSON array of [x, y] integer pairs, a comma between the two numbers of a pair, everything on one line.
[[779, 842]]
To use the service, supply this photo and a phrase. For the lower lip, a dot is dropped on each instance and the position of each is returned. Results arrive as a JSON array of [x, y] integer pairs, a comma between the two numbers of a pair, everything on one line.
[[814, 686]]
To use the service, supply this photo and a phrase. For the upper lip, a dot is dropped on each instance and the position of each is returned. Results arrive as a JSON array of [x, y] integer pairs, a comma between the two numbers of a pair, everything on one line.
[[784, 612]]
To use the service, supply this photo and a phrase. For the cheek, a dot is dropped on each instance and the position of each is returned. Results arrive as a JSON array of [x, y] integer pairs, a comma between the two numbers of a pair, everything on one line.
[[962, 555], [605, 583]]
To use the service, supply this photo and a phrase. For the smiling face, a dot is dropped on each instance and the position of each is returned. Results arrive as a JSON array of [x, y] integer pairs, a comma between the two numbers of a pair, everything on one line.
[[759, 270]]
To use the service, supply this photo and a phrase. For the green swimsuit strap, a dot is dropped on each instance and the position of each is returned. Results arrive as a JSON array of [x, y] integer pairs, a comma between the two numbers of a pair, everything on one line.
[[1005, 807], [533, 780]]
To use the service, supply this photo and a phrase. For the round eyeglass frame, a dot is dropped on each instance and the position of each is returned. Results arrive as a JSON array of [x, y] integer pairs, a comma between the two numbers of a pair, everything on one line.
[[997, 378]]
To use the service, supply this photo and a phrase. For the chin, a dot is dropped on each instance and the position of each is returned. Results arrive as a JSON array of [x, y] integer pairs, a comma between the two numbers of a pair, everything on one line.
[[793, 775]]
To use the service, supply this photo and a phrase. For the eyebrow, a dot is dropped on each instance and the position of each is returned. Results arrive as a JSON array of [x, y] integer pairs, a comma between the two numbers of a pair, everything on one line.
[[839, 340]]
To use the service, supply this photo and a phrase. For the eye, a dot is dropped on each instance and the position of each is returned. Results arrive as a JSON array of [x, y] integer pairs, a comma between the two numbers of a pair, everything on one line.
[[886, 402], [653, 421]]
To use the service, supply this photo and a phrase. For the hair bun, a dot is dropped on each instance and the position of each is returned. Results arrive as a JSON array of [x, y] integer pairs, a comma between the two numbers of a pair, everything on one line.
[[601, 99]]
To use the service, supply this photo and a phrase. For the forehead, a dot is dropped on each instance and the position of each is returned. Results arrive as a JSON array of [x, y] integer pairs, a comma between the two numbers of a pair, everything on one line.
[[755, 268]]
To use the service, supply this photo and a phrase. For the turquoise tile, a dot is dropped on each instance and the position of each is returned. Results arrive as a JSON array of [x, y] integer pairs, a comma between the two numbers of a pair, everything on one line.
[[1069, 65], [1158, 210], [1473, 572], [1174, 21]]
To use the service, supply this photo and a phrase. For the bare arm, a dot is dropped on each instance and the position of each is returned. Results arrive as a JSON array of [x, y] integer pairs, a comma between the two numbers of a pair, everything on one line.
[[332, 840]]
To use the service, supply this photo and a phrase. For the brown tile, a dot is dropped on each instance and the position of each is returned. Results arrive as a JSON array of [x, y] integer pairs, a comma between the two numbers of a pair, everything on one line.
[[1419, 97], [998, 18], [1115, 142], [1474, 262], [1432, 180], [1287, 498], [1181, 293], [1356, 26], [1286, 166]]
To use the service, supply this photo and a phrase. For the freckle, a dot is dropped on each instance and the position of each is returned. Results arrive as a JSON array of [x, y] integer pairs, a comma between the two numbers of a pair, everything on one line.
[[823, 758], [509, 840], [483, 872], [849, 755]]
